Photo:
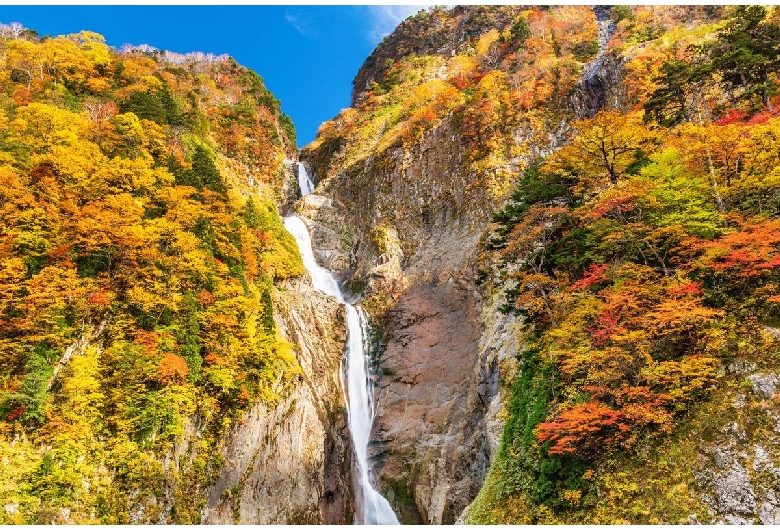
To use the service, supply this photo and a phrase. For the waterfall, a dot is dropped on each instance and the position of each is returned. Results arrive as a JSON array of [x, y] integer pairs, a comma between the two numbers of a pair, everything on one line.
[[360, 411], [304, 182], [376, 509]]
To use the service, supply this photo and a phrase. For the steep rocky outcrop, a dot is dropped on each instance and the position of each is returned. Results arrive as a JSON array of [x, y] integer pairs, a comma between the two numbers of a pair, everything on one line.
[[737, 472], [291, 464], [600, 87], [409, 237], [431, 431], [431, 32], [289, 191]]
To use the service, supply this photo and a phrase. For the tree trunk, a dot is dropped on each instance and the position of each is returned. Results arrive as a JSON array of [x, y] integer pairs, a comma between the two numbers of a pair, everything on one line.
[[718, 199]]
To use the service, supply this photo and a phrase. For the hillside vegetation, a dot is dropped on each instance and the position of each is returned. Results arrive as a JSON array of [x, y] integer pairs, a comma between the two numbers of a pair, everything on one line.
[[644, 256], [610, 178], [637, 240], [139, 244], [492, 82]]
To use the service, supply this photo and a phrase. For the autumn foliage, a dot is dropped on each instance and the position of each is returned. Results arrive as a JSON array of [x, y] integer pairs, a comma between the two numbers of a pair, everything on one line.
[[643, 254], [137, 266], [515, 74]]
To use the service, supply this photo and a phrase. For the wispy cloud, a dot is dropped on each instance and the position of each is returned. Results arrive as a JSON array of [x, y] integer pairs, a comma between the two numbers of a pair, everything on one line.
[[301, 21], [384, 19], [378, 20]]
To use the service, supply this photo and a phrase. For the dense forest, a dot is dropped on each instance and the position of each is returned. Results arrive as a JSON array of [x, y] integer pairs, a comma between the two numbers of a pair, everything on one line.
[[138, 264], [644, 257]]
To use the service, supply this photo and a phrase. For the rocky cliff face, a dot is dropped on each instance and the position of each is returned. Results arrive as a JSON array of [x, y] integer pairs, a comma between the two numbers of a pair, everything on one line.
[[737, 465], [401, 219], [409, 238], [291, 464], [431, 32], [402, 227], [599, 87], [402, 224]]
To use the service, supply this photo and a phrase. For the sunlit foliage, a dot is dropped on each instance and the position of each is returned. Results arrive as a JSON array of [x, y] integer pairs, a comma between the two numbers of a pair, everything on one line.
[[136, 276]]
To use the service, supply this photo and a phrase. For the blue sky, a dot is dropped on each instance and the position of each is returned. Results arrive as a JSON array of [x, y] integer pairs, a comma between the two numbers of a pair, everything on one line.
[[307, 55]]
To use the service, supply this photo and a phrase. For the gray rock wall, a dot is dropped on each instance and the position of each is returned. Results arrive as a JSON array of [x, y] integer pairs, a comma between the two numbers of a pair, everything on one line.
[[291, 464], [738, 474], [403, 229]]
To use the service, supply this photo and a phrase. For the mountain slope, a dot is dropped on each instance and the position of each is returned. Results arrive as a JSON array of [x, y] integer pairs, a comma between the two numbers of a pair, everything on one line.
[[141, 251], [579, 203], [563, 222], [412, 173]]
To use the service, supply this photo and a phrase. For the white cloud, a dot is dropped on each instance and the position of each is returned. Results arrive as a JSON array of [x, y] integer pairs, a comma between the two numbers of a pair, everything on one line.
[[302, 23], [379, 20], [384, 19]]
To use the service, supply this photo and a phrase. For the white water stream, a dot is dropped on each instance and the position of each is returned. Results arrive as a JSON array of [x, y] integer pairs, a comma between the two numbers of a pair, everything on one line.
[[304, 182], [360, 410]]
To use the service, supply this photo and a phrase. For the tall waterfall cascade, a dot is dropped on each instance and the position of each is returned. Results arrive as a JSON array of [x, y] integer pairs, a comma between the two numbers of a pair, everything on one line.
[[304, 181], [376, 509]]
